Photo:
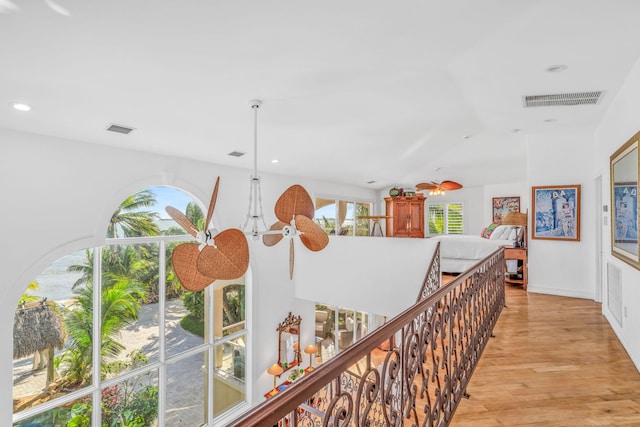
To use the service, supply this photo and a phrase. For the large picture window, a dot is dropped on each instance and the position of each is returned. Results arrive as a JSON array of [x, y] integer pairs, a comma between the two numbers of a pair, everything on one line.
[[160, 356], [445, 218], [342, 217]]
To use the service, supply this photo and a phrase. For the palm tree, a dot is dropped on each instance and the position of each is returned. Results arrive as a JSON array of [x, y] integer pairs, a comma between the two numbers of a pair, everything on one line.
[[120, 307], [86, 269], [194, 213], [131, 220]]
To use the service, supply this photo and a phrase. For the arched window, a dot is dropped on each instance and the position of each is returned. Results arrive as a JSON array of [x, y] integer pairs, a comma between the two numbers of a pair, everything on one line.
[[160, 353]]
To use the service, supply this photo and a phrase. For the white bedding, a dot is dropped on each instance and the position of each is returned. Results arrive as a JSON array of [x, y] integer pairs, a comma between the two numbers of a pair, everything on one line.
[[460, 252]]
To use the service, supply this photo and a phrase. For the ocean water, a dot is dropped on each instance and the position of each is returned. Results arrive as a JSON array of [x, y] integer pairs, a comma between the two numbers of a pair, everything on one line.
[[55, 281]]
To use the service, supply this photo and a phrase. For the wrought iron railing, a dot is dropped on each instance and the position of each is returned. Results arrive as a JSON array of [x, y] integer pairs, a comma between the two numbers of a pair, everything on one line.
[[413, 370]]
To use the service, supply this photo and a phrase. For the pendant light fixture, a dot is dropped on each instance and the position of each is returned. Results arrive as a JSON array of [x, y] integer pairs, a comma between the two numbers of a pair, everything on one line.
[[254, 212]]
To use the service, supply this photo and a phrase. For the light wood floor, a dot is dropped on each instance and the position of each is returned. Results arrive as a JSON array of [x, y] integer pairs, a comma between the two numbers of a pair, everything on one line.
[[554, 361]]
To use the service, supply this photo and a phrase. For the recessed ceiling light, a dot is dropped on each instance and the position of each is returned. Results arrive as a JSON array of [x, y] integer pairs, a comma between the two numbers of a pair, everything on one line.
[[556, 68], [274, 161], [20, 106]]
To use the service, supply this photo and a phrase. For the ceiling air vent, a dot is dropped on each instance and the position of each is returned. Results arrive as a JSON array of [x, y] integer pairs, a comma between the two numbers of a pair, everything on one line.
[[577, 98], [119, 129], [237, 153]]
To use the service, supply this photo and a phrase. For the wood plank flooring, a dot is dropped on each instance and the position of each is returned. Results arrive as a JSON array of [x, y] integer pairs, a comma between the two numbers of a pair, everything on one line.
[[554, 361]]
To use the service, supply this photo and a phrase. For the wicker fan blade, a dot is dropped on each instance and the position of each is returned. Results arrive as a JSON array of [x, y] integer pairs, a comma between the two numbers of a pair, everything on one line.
[[181, 219], [426, 186], [272, 239], [313, 236], [291, 259], [212, 204], [231, 258], [294, 201], [450, 185], [184, 260]]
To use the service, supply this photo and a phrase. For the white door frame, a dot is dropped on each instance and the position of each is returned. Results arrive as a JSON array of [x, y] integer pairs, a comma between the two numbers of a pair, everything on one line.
[[600, 218]]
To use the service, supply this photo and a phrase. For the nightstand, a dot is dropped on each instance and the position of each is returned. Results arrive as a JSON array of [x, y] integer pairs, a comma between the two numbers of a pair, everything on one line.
[[521, 255]]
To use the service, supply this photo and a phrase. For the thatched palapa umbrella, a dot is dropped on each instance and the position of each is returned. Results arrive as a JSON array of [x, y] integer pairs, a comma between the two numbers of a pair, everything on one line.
[[38, 326]]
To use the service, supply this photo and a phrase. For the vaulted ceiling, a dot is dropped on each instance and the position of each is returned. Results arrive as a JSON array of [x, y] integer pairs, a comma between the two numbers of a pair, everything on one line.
[[353, 91]]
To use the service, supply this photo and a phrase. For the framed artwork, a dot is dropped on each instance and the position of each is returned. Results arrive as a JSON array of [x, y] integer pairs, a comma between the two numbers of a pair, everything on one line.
[[625, 175], [502, 205], [625, 199], [556, 212]]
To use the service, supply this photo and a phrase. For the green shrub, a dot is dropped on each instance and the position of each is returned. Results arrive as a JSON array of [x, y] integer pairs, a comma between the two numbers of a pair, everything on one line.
[[194, 302], [193, 325]]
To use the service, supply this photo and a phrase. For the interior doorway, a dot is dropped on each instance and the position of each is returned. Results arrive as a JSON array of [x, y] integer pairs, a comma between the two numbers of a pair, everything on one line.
[[601, 217]]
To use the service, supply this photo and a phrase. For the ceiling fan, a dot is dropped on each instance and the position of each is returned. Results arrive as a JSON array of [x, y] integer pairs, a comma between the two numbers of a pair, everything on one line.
[[223, 256], [294, 210], [438, 188]]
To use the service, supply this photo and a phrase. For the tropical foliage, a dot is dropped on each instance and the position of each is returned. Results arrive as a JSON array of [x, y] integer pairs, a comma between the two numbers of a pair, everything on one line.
[[129, 277], [129, 220], [26, 297], [120, 306], [233, 308]]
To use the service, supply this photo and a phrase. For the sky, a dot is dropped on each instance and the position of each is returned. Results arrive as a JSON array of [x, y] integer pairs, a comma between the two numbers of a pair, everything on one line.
[[168, 196]]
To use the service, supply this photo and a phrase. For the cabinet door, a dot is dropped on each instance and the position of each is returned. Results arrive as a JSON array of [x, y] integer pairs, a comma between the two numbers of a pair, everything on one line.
[[402, 219], [416, 219]]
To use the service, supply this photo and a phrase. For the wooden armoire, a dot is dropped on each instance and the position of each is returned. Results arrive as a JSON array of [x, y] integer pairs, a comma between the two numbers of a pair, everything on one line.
[[407, 216]]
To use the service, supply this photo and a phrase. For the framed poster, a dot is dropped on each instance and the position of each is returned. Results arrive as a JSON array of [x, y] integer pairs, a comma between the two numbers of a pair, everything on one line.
[[556, 212], [625, 199], [625, 175], [502, 205]]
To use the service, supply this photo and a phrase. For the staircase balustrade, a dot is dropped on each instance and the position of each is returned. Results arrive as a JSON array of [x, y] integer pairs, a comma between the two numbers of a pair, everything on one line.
[[413, 370]]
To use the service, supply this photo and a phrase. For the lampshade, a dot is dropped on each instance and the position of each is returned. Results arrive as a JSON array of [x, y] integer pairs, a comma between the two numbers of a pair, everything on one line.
[[275, 370], [310, 350], [515, 218]]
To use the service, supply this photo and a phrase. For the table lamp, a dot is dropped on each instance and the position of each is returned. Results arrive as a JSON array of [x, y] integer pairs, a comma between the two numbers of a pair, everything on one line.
[[275, 370], [310, 350], [518, 219]]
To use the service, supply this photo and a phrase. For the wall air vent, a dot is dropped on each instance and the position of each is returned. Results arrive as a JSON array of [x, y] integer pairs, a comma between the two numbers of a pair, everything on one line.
[[120, 129], [576, 98], [237, 153], [614, 292]]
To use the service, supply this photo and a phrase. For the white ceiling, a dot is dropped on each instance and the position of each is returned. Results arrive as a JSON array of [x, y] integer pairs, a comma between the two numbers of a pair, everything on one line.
[[352, 91]]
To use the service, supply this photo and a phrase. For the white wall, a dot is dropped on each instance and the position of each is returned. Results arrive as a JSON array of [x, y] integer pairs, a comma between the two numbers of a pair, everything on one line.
[[389, 283], [58, 195], [563, 267], [620, 124]]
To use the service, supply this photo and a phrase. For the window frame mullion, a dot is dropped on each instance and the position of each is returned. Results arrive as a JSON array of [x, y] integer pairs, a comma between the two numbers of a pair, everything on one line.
[[96, 412]]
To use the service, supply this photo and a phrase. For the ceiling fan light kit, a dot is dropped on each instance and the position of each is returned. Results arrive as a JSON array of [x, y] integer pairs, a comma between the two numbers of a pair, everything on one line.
[[438, 188]]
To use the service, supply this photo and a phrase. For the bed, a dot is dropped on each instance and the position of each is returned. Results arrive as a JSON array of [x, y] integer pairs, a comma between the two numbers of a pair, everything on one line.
[[459, 252]]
